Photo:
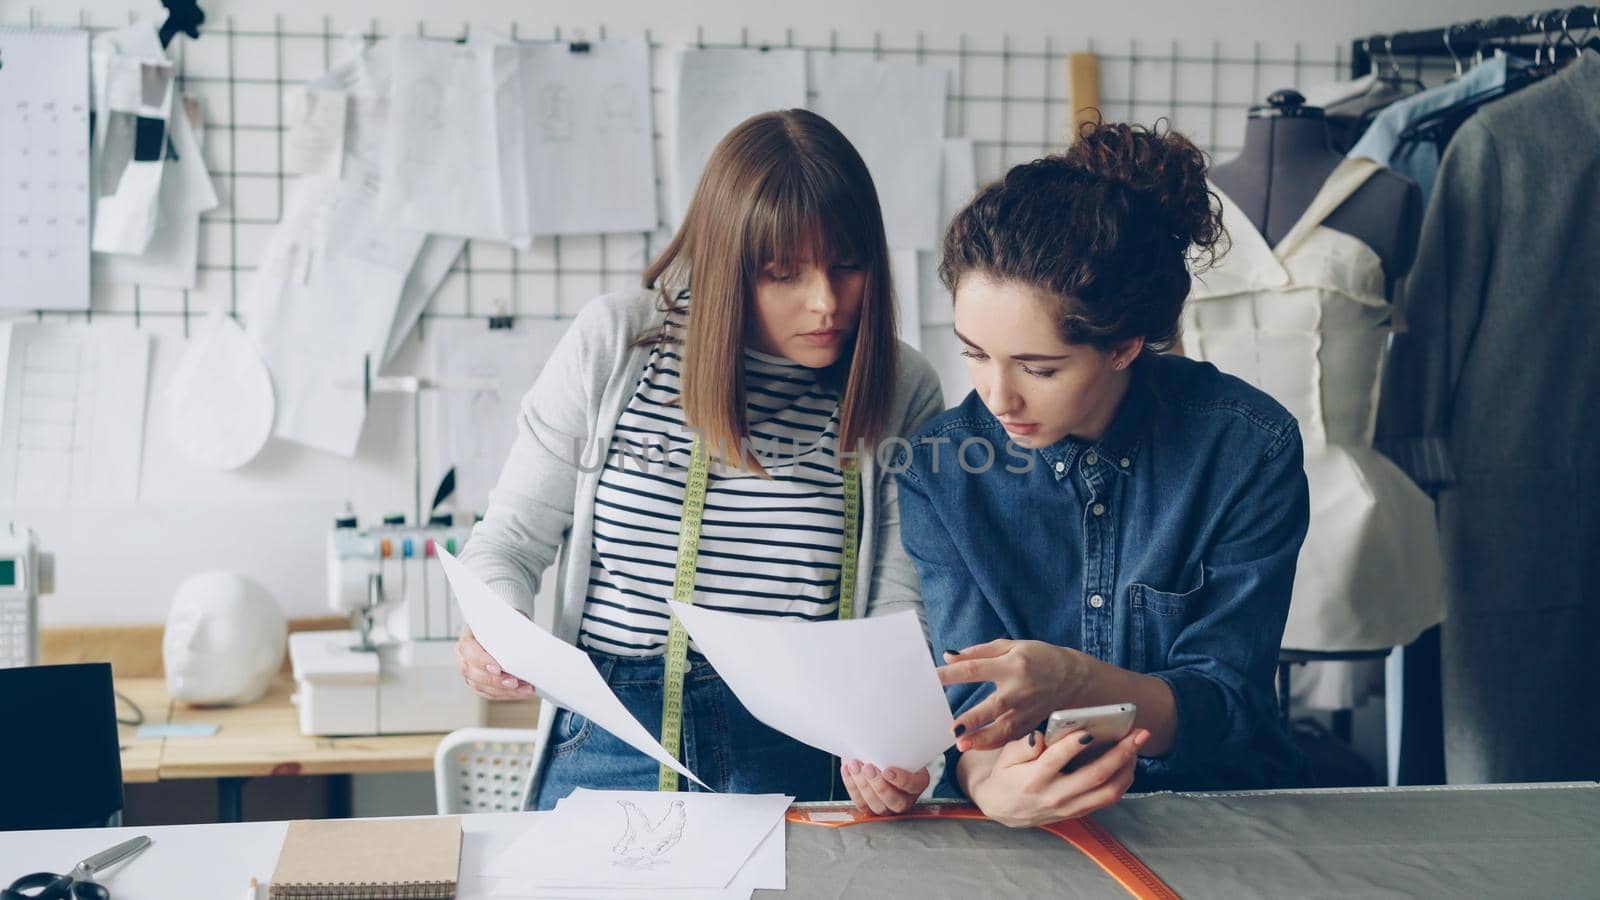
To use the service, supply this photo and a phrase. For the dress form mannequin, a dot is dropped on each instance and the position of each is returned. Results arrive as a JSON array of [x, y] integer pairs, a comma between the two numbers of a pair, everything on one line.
[[1285, 160]]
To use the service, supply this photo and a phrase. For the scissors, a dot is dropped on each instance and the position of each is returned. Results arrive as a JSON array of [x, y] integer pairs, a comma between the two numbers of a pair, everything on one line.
[[77, 884]]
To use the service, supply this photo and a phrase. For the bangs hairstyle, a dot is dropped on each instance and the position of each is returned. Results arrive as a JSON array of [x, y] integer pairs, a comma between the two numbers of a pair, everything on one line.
[[781, 188]]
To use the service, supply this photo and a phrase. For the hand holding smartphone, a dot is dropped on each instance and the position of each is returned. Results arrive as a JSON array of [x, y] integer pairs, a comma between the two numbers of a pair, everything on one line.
[[1105, 724]]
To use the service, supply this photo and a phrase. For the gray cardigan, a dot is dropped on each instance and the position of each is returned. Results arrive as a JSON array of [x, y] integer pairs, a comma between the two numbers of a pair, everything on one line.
[[544, 500]]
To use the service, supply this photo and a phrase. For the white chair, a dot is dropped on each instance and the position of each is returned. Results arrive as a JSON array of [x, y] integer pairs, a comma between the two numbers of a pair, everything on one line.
[[490, 769]]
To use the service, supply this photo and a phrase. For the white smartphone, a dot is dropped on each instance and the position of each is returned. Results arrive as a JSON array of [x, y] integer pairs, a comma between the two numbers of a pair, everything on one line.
[[1106, 724]]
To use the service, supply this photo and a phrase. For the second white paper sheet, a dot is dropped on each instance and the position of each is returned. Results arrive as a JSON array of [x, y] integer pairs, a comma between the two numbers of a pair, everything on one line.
[[480, 427], [870, 689], [560, 672], [893, 112], [589, 150], [717, 89]]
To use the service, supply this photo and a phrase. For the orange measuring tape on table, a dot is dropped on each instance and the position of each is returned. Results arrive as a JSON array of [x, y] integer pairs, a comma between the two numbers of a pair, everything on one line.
[[1093, 841]]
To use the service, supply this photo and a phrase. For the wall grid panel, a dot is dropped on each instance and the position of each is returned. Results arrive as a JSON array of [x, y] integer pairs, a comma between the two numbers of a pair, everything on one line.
[[1008, 95]]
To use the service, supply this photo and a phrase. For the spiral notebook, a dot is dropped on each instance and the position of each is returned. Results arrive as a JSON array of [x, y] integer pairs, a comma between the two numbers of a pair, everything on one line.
[[368, 859]]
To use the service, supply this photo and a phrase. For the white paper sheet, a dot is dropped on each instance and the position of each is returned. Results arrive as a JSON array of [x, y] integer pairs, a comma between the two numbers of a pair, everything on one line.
[[327, 289], [957, 185], [877, 698], [908, 303], [958, 177], [893, 112], [433, 264], [44, 169], [133, 92], [71, 413], [441, 170], [219, 402], [716, 90], [170, 259], [323, 300], [314, 141], [587, 119], [478, 429], [646, 839], [562, 673]]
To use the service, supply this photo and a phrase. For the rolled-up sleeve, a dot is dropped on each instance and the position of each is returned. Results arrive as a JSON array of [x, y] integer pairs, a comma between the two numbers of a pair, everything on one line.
[[1221, 666]]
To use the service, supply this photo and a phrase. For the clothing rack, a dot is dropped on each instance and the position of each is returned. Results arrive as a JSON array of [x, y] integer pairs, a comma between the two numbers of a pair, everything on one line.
[[1463, 39]]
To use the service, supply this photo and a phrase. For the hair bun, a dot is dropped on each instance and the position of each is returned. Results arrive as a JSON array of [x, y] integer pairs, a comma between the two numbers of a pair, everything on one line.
[[1164, 169]]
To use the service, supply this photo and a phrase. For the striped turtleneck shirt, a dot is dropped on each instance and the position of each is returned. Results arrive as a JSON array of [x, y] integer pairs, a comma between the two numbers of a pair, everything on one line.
[[768, 546]]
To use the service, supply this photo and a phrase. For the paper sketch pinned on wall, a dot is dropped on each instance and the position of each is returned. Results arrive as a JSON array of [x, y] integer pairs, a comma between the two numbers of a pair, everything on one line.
[[433, 264], [71, 413], [328, 286], [957, 185], [717, 89], [908, 306], [44, 169], [133, 93], [477, 430], [219, 402], [171, 259], [590, 152], [442, 162], [313, 142], [893, 112], [645, 840]]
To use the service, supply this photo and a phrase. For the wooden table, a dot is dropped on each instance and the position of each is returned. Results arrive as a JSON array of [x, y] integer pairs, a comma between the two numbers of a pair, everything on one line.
[[263, 739]]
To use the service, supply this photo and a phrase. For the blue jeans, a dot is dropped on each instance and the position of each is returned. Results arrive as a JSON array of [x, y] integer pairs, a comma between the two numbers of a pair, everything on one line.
[[722, 742]]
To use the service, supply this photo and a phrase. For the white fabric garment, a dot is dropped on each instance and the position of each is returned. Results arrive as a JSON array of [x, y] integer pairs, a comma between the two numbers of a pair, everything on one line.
[[1308, 323]]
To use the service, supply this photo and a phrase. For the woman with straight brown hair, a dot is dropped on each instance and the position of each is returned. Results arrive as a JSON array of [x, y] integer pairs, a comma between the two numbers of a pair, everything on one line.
[[761, 352]]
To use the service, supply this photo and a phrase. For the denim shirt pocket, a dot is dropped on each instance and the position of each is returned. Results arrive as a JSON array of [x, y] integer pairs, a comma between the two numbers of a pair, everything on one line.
[[1158, 618]]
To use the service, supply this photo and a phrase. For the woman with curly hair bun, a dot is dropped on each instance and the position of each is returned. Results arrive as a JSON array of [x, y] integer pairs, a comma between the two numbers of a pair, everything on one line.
[[1098, 522]]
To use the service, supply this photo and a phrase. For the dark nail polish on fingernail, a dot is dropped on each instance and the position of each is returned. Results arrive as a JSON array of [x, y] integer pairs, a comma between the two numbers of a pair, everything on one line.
[[1031, 738], [960, 730], [1086, 739]]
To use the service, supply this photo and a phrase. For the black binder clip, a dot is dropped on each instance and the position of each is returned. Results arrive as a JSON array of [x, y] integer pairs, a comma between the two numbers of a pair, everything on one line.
[[182, 15], [501, 323], [579, 47]]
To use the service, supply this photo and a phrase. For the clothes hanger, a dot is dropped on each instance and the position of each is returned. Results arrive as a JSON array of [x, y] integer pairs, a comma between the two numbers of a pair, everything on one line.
[[1454, 59], [1593, 43], [1394, 75]]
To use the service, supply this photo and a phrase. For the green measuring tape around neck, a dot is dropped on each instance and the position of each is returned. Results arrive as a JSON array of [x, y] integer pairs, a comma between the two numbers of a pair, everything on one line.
[[694, 510]]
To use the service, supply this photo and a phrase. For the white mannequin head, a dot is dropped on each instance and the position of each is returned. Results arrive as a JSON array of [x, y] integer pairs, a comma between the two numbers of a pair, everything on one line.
[[224, 641]]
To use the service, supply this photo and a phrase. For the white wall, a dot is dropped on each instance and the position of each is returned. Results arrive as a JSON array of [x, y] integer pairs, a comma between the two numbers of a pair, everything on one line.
[[121, 565]]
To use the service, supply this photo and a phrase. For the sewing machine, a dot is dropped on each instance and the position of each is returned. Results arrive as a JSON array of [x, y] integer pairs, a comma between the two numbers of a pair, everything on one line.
[[396, 672], [25, 573]]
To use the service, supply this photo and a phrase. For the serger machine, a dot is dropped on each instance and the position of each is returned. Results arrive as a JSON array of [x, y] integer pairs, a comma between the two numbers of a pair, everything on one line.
[[396, 671]]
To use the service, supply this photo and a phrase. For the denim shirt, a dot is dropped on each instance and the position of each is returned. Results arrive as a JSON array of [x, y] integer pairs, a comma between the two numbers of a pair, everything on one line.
[[1167, 547]]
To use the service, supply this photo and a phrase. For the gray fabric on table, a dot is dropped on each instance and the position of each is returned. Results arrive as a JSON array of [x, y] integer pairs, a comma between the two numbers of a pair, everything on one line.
[[1514, 841]]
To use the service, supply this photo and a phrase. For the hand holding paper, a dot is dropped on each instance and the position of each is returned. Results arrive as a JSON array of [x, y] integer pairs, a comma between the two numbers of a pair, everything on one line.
[[562, 672], [863, 689]]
